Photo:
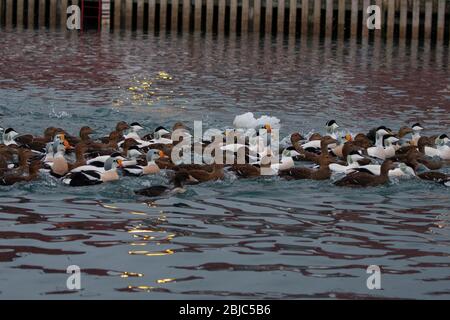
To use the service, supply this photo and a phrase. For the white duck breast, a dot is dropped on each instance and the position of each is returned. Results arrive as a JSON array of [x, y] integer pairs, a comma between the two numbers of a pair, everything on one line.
[[8, 137], [352, 161], [442, 150], [404, 171]]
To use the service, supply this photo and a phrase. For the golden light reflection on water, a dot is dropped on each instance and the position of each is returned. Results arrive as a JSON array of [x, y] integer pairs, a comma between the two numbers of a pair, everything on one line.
[[126, 274], [165, 280], [151, 254], [146, 91]]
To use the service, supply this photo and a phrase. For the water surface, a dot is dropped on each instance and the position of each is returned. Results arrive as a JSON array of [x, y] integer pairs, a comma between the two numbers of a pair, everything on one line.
[[264, 238]]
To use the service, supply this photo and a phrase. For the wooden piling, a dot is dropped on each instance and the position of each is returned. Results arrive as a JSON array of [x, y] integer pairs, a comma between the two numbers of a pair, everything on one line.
[[292, 17], [19, 14], [221, 21], [174, 18], [317, 14], [117, 11], [140, 15], [30, 19], [62, 14], [128, 14], [162, 14], [233, 16], [329, 18], [441, 21], [305, 16], [415, 19], [244, 16], [428, 18], [341, 18], [256, 15], [365, 29], [209, 15], [186, 15], [354, 18], [151, 15], [53, 11], [269, 10], [9, 13], [280, 16], [403, 17], [198, 15], [390, 20]]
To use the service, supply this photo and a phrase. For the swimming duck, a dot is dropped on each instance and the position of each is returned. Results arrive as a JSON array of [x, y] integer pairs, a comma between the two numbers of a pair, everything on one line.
[[300, 173], [352, 162], [160, 136], [135, 127], [157, 191], [314, 143], [92, 177], [364, 179], [150, 168], [416, 128], [121, 126], [33, 172], [442, 150], [379, 150], [59, 166], [8, 137], [204, 175]]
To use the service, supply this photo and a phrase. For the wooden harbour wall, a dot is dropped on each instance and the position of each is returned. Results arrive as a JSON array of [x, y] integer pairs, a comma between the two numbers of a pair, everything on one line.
[[413, 19]]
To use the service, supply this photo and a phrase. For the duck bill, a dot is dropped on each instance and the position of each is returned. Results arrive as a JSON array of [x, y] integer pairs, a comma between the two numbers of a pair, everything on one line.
[[67, 145], [162, 154], [120, 163], [268, 127]]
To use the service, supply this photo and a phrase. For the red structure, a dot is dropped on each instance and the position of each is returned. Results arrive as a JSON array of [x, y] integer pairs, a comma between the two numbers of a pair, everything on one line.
[[91, 14]]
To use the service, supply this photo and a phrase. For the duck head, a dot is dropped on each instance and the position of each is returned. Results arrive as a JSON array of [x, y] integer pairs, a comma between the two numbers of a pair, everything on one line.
[[9, 134], [112, 163], [85, 132], [122, 126], [404, 131], [135, 127], [331, 126], [327, 140], [354, 156], [416, 127], [442, 140], [160, 132]]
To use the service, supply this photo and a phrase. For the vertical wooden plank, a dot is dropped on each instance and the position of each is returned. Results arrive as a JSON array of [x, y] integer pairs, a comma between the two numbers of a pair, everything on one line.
[[365, 30], [128, 14], [63, 14], [117, 10], [428, 18], [162, 14], [305, 16], [354, 18], [30, 22], [379, 3], [244, 18], [269, 10], [221, 20], [280, 16], [209, 15], [441, 21], [403, 17], [198, 15], [174, 19], [52, 12], [329, 18], [140, 15], [317, 13], [341, 18], [256, 15], [1, 13], [415, 19], [292, 17], [186, 14], [9, 14], [233, 16], [41, 14], [390, 19], [19, 14]]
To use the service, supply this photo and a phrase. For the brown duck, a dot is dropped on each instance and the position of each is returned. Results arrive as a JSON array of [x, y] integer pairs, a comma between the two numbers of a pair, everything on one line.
[[365, 179], [33, 172]]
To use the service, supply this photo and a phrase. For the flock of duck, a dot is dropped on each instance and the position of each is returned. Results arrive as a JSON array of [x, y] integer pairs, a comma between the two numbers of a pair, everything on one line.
[[352, 160]]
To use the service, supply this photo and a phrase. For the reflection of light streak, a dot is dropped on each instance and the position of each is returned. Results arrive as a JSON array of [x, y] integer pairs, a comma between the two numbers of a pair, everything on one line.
[[138, 213], [109, 206], [151, 254], [165, 280], [126, 274], [140, 231]]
